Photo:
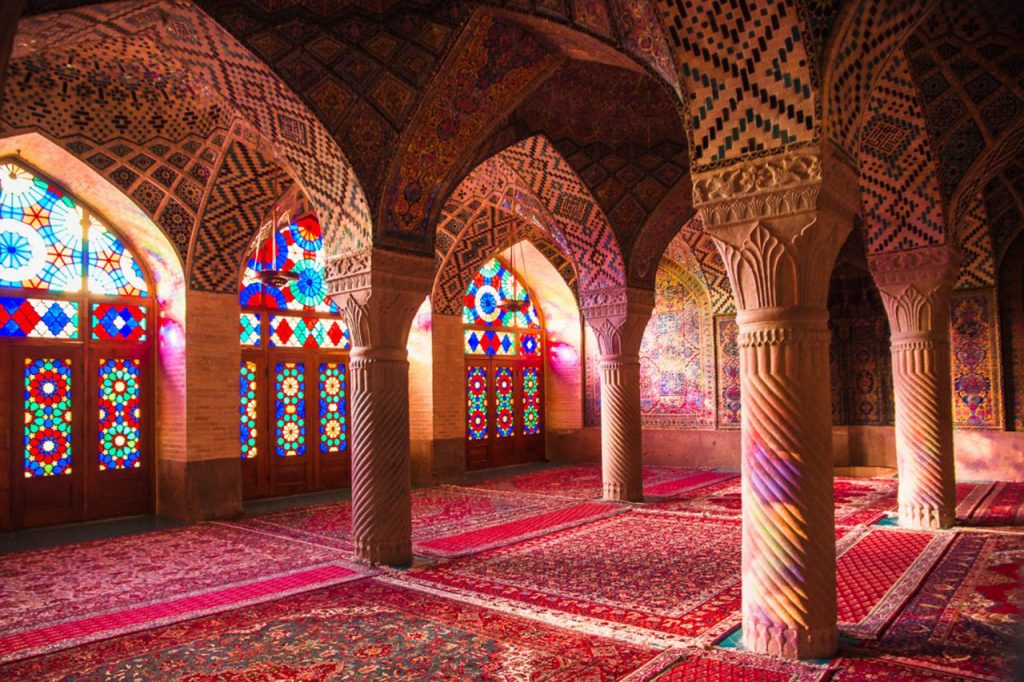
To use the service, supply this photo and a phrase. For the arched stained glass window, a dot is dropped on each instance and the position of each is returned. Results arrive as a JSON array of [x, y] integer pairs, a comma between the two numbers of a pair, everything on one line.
[[504, 370], [76, 321], [295, 353]]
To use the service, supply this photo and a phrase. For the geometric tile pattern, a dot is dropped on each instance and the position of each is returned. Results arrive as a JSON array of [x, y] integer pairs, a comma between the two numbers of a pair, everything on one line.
[[641, 34], [702, 247], [899, 183], [216, 65], [731, 55], [38, 318], [1005, 209], [241, 195], [876, 29], [728, 349], [977, 264], [966, 59]]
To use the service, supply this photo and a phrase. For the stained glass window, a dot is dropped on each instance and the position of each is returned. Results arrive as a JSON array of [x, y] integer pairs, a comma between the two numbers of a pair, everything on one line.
[[290, 408], [112, 322], [333, 429], [530, 345], [476, 390], [504, 402], [40, 234], [47, 417], [531, 401], [249, 329], [489, 342], [247, 409], [112, 268], [308, 332], [38, 318], [296, 248], [493, 284], [120, 414]]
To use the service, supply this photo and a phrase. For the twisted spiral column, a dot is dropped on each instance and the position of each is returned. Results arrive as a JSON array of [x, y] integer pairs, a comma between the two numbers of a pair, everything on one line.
[[789, 565], [924, 430], [621, 435], [381, 483]]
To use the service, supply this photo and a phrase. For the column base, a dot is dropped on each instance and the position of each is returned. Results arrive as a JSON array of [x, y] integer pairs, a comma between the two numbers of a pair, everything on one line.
[[926, 517], [385, 552], [619, 492], [778, 640]]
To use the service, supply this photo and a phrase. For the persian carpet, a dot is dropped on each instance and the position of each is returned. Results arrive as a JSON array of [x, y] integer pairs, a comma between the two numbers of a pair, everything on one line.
[[879, 573], [967, 617], [58, 597], [714, 665], [446, 521], [1004, 506], [653, 578], [851, 669], [365, 630], [579, 481]]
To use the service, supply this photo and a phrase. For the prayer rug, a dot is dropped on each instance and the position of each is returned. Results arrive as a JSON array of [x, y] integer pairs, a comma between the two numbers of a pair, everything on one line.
[[1004, 506], [656, 578], [365, 630], [849, 669], [879, 572], [710, 665], [968, 616], [577, 481], [57, 597], [446, 521]]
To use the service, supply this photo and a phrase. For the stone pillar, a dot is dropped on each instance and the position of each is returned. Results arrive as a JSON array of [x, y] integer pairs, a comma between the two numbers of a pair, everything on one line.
[[778, 244], [379, 293], [618, 318], [916, 287]]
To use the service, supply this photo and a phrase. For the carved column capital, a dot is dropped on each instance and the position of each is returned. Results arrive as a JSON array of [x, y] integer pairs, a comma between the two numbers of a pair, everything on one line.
[[916, 286], [378, 293], [618, 317]]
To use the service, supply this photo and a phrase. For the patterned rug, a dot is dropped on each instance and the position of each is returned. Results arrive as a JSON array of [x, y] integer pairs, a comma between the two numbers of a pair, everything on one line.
[[585, 480], [654, 578], [57, 597], [446, 521], [365, 630], [877, 575], [968, 615], [713, 665], [1004, 506]]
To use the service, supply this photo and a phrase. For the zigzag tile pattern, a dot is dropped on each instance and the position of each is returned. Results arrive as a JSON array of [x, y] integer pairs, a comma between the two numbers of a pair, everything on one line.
[[876, 30], [748, 72], [899, 179], [243, 191], [977, 267], [1005, 209], [703, 248], [217, 65]]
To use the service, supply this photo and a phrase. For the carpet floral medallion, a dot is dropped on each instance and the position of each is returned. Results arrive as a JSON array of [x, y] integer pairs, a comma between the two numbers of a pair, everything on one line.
[[365, 630]]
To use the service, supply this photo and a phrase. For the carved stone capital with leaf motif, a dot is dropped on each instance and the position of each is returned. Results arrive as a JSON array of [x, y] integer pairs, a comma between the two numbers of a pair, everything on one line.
[[618, 317], [916, 286]]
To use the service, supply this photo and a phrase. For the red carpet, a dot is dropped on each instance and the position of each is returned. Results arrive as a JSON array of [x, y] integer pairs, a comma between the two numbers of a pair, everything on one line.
[[715, 665], [688, 484], [879, 573], [863, 669], [515, 531], [578, 481], [636, 573], [361, 631], [1004, 506]]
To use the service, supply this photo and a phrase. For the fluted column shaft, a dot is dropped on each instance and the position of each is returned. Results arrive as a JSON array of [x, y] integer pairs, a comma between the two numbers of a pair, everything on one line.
[[916, 286], [789, 584], [381, 480], [621, 435]]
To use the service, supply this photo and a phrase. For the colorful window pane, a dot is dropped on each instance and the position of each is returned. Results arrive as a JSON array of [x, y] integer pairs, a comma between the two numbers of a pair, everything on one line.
[[295, 248], [120, 415], [476, 415], [38, 318], [531, 401], [40, 234], [308, 332], [529, 345], [112, 269], [492, 285], [47, 417], [118, 322], [333, 427], [504, 402], [247, 409], [249, 329], [290, 408], [489, 342]]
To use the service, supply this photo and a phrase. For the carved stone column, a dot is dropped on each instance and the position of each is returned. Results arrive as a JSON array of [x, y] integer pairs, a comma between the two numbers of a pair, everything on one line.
[[378, 293], [618, 318], [916, 287], [779, 243]]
